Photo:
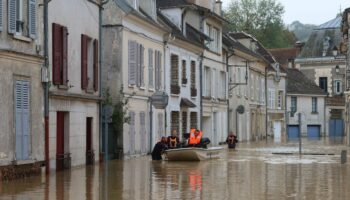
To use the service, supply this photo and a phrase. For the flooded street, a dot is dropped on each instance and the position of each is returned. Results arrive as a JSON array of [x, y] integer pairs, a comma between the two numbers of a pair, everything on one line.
[[253, 171]]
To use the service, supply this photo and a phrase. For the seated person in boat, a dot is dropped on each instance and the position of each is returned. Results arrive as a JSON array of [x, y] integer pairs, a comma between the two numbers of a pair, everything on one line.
[[159, 149], [231, 141], [173, 140], [196, 139]]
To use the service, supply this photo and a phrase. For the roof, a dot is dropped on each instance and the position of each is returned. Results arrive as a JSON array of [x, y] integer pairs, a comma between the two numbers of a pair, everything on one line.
[[163, 4], [322, 40], [283, 55], [331, 24], [298, 83], [231, 42], [127, 8]]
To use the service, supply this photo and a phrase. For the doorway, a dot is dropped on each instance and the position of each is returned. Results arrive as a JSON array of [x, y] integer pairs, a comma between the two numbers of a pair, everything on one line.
[[63, 159], [90, 156]]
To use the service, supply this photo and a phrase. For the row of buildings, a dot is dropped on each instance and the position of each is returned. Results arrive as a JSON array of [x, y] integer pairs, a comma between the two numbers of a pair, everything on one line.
[[113, 78]]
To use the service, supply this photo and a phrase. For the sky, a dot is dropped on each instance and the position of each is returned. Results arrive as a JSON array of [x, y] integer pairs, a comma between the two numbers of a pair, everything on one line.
[[309, 11]]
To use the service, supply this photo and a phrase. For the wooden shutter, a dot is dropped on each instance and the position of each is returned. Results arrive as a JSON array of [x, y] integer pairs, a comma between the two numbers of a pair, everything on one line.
[[174, 70], [32, 18], [11, 16], [1, 15], [84, 62], [95, 65], [22, 105], [132, 62], [132, 133], [150, 68], [142, 67], [143, 132], [56, 53], [64, 56]]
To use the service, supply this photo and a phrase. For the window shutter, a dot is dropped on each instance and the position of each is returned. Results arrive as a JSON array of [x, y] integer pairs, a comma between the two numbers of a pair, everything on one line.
[[159, 70], [132, 133], [142, 66], [32, 18], [95, 65], [150, 68], [84, 63], [11, 16], [160, 125], [143, 132], [193, 74], [64, 56], [56, 51], [22, 102], [1, 15], [132, 62]]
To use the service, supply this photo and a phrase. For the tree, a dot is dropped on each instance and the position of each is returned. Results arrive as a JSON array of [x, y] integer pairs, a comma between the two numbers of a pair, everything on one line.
[[262, 19]]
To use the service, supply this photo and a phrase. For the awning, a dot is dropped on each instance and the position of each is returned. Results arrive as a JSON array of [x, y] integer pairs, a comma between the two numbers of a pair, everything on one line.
[[187, 103]]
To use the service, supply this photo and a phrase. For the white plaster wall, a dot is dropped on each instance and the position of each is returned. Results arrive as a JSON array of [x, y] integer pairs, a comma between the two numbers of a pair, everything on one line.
[[304, 106]]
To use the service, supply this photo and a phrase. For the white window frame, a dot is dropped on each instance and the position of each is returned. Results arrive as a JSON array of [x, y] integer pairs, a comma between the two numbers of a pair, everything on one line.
[[337, 90]]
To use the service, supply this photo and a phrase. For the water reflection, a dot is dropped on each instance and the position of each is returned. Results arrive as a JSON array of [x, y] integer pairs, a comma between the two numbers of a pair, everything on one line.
[[247, 173]]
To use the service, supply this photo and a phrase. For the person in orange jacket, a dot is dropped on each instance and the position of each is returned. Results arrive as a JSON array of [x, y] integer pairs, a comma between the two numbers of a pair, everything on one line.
[[195, 137]]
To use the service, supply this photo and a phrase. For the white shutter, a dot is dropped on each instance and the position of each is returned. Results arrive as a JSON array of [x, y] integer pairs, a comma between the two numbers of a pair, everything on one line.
[[132, 62], [144, 141], [132, 133], [212, 86], [160, 125], [32, 18], [160, 71], [150, 68], [142, 66], [11, 16], [1, 15]]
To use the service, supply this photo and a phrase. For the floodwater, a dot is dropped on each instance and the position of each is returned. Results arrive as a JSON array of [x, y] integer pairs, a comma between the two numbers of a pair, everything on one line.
[[260, 170]]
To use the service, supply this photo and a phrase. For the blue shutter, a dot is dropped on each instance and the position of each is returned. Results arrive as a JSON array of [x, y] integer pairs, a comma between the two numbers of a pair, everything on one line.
[[1, 15], [11, 16], [32, 18], [22, 101]]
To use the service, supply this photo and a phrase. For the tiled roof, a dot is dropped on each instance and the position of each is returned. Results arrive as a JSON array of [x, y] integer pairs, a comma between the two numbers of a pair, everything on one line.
[[331, 24], [282, 55], [298, 83]]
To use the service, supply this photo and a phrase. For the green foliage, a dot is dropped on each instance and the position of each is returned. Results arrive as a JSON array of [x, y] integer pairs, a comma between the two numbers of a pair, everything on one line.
[[262, 19]]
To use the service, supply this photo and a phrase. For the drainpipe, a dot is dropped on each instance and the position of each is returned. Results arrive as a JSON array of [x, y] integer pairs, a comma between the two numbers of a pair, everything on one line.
[[228, 99], [46, 85], [266, 122], [201, 90]]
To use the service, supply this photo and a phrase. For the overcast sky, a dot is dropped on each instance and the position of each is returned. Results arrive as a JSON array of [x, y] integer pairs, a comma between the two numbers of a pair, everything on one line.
[[309, 11]]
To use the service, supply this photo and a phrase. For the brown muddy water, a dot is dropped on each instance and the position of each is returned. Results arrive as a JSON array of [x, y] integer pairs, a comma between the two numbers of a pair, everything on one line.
[[253, 171]]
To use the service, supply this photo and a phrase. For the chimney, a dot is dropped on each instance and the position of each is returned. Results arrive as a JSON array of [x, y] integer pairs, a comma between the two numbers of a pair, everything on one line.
[[218, 7]]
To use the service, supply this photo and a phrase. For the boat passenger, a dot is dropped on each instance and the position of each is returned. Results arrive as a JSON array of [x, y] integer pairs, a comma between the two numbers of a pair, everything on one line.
[[195, 137], [173, 140], [231, 141], [159, 149]]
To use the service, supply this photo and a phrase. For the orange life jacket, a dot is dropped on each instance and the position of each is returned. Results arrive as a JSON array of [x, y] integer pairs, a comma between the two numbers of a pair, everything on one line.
[[172, 142], [195, 139]]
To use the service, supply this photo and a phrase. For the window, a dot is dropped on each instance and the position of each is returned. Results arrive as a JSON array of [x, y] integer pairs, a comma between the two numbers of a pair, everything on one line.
[[175, 122], [22, 119], [17, 10], [337, 87], [158, 74], [293, 107], [136, 64], [184, 74], [323, 84], [280, 100], [89, 63], [174, 74], [193, 120], [59, 54], [207, 74], [184, 122], [214, 34], [271, 99], [314, 104]]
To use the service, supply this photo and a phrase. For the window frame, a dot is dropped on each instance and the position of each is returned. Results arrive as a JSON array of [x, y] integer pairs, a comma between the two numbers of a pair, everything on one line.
[[314, 105], [294, 100]]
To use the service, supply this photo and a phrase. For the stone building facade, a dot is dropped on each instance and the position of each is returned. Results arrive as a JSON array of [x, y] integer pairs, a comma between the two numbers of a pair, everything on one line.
[[22, 97]]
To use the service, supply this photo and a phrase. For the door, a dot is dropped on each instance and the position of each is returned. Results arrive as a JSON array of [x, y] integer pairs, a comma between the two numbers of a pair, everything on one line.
[[336, 128], [313, 131], [277, 131], [60, 141], [22, 125], [293, 131], [89, 150]]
